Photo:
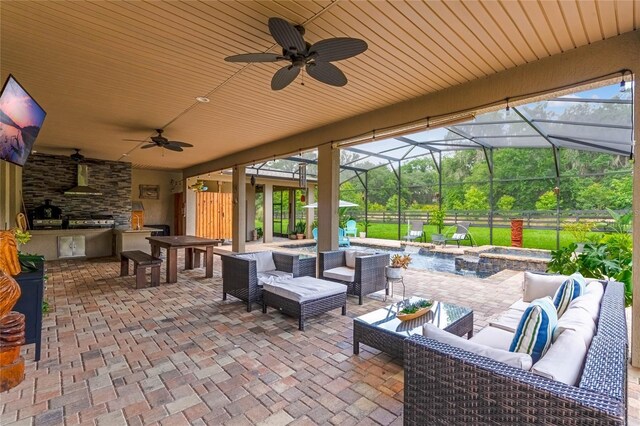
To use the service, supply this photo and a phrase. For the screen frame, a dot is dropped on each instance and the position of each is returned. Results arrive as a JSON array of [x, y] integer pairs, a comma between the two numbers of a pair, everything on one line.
[[4, 86]]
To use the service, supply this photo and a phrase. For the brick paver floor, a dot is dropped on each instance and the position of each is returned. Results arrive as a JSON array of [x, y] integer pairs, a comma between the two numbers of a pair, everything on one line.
[[177, 354]]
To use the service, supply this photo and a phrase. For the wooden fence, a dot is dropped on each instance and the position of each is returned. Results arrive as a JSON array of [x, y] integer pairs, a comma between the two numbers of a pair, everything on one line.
[[533, 219], [213, 214]]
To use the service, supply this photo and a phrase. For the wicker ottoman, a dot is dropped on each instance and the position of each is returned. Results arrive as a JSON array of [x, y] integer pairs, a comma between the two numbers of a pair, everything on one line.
[[304, 297]]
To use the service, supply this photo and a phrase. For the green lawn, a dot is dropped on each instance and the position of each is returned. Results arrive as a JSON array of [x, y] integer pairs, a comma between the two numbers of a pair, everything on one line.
[[533, 238]]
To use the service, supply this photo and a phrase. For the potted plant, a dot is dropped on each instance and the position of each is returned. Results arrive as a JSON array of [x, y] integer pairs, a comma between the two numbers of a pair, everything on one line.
[[399, 262], [366, 229], [301, 227], [579, 231], [437, 218]]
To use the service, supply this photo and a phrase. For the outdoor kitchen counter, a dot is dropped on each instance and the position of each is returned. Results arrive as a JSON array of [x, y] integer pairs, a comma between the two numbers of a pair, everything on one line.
[[132, 239], [98, 242]]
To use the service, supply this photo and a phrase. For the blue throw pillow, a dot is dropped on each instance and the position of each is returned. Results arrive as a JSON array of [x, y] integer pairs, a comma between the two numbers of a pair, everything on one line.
[[571, 288], [535, 330]]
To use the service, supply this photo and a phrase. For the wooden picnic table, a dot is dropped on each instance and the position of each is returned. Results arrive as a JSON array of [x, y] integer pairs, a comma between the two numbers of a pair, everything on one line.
[[188, 243]]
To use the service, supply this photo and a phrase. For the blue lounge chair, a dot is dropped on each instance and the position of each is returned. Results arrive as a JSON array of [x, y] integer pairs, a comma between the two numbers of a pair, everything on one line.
[[343, 240], [351, 228]]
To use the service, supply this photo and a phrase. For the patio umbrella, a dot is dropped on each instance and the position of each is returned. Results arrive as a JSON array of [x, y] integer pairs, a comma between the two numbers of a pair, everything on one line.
[[342, 203]]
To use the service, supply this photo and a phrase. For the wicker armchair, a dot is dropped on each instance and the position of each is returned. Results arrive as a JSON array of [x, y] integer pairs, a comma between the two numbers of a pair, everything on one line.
[[448, 385], [369, 271], [240, 276]]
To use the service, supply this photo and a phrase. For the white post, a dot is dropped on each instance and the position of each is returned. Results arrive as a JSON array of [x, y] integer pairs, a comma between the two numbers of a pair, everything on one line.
[[239, 227], [267, 213], [328, 192]]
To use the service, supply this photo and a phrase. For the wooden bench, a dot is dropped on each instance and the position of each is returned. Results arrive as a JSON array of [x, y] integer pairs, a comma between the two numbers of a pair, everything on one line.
[[200, 251], [141, 261]]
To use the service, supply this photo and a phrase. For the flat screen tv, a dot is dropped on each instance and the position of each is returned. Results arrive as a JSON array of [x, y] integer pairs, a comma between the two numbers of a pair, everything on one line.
[[20, 121]]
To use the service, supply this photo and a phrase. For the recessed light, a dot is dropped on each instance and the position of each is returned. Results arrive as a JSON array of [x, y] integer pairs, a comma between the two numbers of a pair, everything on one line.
[[202, 99], [125, 154], [34, 151]]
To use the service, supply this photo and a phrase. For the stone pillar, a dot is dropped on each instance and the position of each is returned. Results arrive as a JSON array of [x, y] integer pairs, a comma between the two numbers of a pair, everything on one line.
[[239, 199], [251, 211], [328, 196], [311, 214], [635, 315], [267, 213]]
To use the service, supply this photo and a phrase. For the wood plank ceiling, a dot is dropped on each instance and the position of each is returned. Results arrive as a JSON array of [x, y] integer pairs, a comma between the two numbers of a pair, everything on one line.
[[105, 71]]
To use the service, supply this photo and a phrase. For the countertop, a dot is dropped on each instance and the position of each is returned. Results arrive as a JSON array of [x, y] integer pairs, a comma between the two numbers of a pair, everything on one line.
[[124, 230]]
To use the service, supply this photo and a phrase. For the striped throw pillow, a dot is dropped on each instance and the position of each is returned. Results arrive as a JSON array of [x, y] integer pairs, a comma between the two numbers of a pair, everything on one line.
[[572, 287], [535, 330]]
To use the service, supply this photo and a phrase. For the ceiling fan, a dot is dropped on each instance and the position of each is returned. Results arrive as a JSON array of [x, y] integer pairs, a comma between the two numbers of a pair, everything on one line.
[[315, 58], [162, 142], [76, 156]]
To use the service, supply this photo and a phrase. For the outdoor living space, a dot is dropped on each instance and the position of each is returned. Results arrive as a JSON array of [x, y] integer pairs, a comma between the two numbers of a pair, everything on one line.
[[332, 212], [178, 354]]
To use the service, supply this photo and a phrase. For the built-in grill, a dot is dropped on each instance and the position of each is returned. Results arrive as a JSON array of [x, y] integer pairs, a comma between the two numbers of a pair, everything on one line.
[[94, 221], [46, 216], [46, 224]]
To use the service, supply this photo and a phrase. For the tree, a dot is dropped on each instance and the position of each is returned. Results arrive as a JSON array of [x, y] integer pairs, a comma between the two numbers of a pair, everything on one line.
[[547, 201], [475, 199], [506, 203]]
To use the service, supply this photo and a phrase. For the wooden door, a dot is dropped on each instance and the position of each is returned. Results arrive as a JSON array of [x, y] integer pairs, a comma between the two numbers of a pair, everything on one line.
[[213, 215], [178, 213]]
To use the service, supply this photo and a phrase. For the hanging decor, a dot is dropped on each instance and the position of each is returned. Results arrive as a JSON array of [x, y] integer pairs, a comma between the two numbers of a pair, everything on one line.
[[302, 175], [199, 186]]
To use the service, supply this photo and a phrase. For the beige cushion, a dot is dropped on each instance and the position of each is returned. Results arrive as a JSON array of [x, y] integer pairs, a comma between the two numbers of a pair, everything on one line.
[[269, 276], [494, 337], [564, 359], [520, 305], [536, 286], [350, 258], [517, 360], [508, 320], [588, 302], [578, 320], [303, 289], [341, 273], [264, 260]]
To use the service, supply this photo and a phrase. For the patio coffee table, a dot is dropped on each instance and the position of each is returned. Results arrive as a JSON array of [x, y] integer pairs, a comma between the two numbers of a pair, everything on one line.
[[381, 329]]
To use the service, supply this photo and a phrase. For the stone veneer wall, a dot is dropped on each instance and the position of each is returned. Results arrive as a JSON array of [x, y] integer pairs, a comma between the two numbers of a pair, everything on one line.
[[48, 176]]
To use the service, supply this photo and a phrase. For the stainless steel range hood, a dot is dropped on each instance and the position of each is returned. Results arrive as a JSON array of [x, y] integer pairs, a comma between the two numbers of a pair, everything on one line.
[[83, 187]]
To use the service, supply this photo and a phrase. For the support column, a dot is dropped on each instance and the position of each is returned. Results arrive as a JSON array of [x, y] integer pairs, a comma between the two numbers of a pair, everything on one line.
[[239, 222], [250, 211], [400, 202], [366, 202], [635, 316], [267, 213], [328, 193], [190, 210], [311, 198]]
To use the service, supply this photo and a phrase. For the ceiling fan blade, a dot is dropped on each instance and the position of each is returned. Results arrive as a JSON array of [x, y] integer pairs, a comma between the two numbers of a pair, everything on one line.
[[183, 144], [284, 76], [151, 145], [286, 35], [173, 147], [159, 139], [327, 73], [336, 49], [255, 57], [135, 140]]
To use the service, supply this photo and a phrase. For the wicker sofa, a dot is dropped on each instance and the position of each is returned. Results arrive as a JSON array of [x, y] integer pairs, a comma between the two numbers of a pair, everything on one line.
[[367, 275], [240, 273], [448, 385]]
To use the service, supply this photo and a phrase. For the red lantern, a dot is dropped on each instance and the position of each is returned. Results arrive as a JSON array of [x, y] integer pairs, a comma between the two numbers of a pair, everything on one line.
[[303, 198]]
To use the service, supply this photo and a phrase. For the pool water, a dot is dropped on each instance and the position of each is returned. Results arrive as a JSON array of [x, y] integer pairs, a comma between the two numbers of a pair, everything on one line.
[[431, 262]]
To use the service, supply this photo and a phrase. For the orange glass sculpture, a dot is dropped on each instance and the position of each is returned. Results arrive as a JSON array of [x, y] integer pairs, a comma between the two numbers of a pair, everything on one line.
[[11, 323]]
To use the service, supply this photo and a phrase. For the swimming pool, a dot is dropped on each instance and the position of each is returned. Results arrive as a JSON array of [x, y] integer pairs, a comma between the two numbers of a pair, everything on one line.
[[440, 262]]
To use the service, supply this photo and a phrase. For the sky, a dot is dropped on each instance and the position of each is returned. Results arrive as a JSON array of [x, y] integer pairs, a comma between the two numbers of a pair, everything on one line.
[[19, 106]]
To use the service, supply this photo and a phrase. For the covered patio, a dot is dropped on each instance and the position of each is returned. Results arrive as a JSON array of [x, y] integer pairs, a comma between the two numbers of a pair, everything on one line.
[[434, 78]]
